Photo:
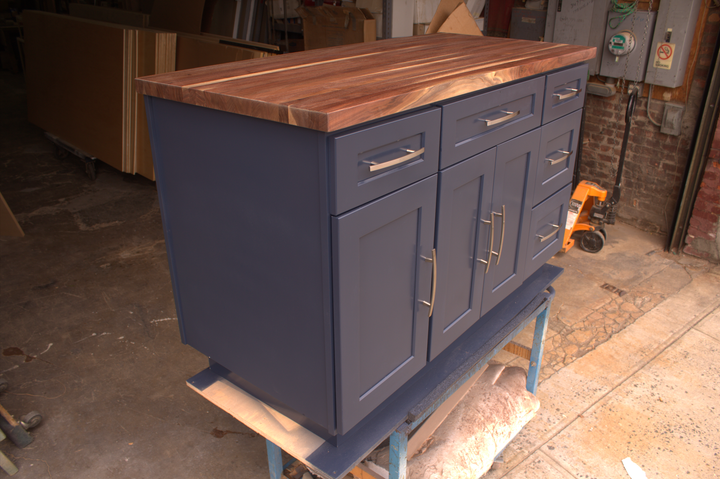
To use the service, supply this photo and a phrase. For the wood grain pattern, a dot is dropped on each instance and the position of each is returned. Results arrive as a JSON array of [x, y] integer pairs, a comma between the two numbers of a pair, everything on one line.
[[338, 87]]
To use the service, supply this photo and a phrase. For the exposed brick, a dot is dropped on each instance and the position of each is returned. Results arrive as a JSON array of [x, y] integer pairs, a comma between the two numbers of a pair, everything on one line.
[[709, 195], [698, 232], [706, 216]]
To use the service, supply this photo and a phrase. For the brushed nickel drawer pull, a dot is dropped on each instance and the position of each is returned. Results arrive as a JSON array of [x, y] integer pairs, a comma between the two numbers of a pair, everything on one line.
[[433, 260], [502, 234], [565, 96], [545, 238], [492, 236], [381, 166], [565, 156], [508, 116]]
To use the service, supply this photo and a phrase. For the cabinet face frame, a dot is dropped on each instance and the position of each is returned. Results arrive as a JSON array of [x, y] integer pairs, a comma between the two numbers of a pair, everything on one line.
[[380, 277]]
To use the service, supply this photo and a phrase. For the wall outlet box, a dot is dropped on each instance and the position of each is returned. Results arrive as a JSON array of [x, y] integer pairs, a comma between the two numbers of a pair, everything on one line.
[[672, 118]]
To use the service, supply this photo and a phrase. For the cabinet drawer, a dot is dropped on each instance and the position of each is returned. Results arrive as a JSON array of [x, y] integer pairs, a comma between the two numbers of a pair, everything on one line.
[[368, 163], [478, 123], [558, 149], [547, 230], [564, 92]]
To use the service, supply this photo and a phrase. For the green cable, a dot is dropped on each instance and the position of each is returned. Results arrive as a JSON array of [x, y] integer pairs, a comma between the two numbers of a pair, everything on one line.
[[626, 9]]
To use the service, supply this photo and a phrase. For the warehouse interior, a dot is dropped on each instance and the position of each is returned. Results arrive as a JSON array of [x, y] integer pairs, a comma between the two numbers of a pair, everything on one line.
[[89, 328]]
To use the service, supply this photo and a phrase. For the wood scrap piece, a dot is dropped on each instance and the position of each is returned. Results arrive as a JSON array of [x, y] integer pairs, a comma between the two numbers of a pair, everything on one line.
[[8, 224], [518, 350], [444, 10], [460, 21]]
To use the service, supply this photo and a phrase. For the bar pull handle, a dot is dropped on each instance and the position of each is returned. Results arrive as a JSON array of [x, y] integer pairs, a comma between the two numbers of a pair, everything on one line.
[[545, 238], [502, 235], [571, 92], [381, 166], [565, 156], [491, 222], [508, 116], [433, 260]]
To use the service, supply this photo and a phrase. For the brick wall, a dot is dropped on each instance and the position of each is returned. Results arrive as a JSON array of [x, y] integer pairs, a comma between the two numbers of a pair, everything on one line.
[[703, 238], [655, 162]]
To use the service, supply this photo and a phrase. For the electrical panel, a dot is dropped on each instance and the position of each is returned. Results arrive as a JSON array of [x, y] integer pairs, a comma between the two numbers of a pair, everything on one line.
[[627, 45], [577, 23], [671, 42]]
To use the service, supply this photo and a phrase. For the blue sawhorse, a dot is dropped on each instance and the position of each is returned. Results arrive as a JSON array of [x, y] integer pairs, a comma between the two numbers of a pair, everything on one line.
[[399, 436]]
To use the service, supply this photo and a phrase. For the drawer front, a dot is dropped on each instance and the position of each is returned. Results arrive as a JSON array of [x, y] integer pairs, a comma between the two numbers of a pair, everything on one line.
[[475, 124], [564, 92], [558, 149], [547, 230], [374, 161]]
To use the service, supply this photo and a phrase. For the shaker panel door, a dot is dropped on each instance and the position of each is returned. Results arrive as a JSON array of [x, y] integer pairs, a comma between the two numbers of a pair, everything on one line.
[[515, 170], [463, 232], [382, 272]]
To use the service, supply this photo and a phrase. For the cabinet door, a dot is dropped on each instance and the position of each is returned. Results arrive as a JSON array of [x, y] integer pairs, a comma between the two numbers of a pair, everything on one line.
[[513, 185], [380, 279], [463, 231]]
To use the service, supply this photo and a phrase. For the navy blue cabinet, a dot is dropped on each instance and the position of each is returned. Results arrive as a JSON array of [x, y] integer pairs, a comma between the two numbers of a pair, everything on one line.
[[323, 271]]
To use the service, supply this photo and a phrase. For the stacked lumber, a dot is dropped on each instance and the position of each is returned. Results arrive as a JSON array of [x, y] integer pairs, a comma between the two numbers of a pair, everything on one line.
[[80, 84], [80, 80]]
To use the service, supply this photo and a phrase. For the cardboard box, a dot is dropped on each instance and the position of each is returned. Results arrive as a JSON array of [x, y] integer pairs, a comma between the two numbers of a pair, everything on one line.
[[329, 26]]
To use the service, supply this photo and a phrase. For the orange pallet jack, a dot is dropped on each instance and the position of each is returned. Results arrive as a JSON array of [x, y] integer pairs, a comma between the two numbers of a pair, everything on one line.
[[589, 211]]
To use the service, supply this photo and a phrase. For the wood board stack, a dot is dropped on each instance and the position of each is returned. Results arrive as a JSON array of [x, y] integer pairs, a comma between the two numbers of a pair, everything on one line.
[[80, 81]]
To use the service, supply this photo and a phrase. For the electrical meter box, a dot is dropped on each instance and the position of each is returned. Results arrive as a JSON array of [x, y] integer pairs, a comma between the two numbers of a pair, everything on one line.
[[670, 45], [627, 46]]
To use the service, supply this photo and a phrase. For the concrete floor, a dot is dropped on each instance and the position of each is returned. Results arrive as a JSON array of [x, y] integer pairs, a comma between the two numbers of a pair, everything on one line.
[[89, 337]]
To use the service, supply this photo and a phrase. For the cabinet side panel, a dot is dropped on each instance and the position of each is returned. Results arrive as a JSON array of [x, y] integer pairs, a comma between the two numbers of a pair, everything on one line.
[[244, 218]]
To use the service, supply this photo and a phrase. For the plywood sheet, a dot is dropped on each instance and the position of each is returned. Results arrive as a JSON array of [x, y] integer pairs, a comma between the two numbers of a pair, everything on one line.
[[193, 52], [74, 80], [180, 15], [107, 14]]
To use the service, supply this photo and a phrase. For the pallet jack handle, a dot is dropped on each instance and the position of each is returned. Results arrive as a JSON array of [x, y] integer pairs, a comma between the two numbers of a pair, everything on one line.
[[629, 112]]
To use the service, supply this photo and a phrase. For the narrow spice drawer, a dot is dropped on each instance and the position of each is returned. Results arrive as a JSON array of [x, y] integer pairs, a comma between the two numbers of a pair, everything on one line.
[[547, 229], [564, 92], [558, 149], [475, 124], [368, 163]]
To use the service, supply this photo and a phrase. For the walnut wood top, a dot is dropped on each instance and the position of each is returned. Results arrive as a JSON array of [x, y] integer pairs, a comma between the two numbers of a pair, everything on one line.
[[334, 88]]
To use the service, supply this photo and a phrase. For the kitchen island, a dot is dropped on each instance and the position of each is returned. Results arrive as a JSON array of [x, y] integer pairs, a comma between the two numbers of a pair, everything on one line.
[[338, 220]]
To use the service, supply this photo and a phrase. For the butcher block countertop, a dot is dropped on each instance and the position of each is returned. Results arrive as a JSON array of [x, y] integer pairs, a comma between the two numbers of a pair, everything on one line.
[[334, 88]]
